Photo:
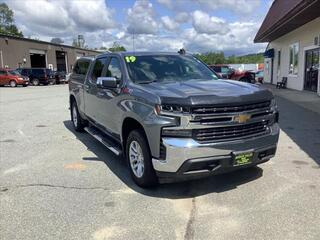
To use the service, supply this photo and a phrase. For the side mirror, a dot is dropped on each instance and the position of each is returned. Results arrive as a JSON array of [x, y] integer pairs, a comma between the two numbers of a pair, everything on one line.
[[107, 82]]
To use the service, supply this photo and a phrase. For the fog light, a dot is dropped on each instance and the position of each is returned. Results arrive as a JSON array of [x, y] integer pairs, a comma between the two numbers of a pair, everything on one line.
[[183, 133]]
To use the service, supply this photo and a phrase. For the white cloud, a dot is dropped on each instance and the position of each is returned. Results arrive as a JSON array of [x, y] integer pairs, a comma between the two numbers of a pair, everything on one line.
[[182, 17], [239, 40], [169, 23], [94, 19], [237, 6], [166, 3], [153, 43], [58, 18], [141, 18], [203, 23]]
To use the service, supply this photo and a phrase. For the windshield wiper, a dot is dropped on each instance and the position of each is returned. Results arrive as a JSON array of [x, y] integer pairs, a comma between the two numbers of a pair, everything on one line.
[[146, 82]]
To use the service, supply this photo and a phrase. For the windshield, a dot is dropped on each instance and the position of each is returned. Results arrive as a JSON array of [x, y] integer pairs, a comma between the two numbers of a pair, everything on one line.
[[14, 72], [167, 68], [225, 69]]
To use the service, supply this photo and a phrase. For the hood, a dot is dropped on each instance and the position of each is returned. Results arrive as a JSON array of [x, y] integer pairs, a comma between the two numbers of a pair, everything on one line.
[[208, 92]]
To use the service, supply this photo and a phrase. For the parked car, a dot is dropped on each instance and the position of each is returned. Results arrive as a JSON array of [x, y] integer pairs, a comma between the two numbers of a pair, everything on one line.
[[223, 70], [227, 72], [60, 77], [259, 76], [170, 116], [12, 78], [243, 76], [37, 76]]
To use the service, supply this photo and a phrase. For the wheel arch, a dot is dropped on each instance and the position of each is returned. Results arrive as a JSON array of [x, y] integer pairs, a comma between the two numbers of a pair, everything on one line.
[[129, 124]]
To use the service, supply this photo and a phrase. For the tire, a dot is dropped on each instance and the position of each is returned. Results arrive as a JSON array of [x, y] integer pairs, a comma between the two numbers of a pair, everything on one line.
[[78, 122], [139, 160], [12, 83], [35, 82], [24, 85]]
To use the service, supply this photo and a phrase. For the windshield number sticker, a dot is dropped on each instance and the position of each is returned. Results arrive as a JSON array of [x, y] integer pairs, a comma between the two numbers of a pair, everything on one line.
[[130, 59]]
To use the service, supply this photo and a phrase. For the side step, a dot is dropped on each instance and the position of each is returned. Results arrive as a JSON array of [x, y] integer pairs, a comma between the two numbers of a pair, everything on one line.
[[98, 135]]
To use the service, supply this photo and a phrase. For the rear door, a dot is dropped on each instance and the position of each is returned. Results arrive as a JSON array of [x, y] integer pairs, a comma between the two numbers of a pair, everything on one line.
[[77, 79]]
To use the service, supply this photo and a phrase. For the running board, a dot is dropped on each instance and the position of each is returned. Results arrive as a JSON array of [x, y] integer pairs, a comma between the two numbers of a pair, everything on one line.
[[106, 142]]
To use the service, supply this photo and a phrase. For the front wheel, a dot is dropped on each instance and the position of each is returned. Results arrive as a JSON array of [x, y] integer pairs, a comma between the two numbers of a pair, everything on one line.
[[78, 122], [13, 83], [35, 82], [139, 160]]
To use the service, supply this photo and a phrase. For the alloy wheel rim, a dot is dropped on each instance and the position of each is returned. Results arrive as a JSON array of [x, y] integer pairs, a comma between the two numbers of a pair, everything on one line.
[[12, 84], [74, 116], [136, 159]]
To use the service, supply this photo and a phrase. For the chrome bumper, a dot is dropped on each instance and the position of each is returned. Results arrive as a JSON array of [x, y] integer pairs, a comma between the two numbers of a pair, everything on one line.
[[181, 150]]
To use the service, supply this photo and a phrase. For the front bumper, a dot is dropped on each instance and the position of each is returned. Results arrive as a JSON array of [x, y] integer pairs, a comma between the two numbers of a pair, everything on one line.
[[186, 158]]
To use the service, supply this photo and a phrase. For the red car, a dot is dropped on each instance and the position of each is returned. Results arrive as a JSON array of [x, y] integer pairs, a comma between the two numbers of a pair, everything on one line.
[[12, 78], [227, 72]]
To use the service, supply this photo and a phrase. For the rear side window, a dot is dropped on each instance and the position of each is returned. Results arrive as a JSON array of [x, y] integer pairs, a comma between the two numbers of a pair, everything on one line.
[[25, 72], [3, 72], [38, 71], [81, 67], [98, 67], [216, 69]]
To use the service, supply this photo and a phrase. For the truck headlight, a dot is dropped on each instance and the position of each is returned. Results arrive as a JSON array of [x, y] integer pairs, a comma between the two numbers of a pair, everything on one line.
[[274, 109], [180, 133], [273, 105], [173, 109]]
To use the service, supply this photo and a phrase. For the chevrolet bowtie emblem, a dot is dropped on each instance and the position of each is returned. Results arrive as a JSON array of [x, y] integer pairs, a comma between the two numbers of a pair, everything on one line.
[[242, 118]]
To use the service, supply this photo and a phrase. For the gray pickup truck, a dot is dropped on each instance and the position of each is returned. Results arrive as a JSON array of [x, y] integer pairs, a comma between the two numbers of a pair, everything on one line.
[[170, 115]]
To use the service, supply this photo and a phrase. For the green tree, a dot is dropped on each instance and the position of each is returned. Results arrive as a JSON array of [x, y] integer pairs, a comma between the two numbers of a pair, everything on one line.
[[116, 47], [219, 58], [56, 40], [7, 25]]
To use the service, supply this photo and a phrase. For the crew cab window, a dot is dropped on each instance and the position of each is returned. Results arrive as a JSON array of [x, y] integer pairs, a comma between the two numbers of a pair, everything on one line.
[[81, 67], [3, 72], [114, 69], [25, 72], [216, 68]]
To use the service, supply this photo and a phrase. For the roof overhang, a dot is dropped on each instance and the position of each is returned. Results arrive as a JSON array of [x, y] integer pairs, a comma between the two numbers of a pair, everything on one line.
[[285, 16]]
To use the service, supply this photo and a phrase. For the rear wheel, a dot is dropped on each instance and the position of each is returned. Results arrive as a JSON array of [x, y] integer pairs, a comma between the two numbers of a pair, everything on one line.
[[139, 160], [78, 122], [12, 83], [35, 82]]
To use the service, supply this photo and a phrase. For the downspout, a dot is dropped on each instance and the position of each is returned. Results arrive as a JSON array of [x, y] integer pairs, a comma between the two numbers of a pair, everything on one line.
[[1, 56]]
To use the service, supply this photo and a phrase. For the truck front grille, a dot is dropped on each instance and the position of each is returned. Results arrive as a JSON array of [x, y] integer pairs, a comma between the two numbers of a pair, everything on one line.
[[230, 132], [231, 109]]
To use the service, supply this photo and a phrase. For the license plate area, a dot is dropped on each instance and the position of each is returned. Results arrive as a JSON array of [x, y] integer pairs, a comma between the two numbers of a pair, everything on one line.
[[242, 158]]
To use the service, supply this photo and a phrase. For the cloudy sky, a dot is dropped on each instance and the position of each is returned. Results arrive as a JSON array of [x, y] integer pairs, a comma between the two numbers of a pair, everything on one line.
[[160, 25]]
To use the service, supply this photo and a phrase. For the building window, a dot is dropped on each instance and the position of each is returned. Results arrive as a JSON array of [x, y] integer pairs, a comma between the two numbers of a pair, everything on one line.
[[294, 58]]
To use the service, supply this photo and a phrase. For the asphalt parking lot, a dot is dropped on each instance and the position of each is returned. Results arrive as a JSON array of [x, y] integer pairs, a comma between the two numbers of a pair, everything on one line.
[[58, 184]]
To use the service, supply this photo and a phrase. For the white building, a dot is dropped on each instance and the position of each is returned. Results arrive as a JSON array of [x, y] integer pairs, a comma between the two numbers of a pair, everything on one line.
[[292, 29]]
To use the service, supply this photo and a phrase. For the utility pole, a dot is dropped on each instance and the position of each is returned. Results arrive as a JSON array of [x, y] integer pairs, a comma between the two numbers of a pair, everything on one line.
[[133, 41]]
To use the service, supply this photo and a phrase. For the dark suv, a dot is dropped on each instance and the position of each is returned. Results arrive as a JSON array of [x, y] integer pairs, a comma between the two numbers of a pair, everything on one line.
[[37, 76]]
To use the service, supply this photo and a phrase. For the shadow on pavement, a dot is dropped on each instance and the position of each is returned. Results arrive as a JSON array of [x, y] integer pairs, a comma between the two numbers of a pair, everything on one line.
[[193, 188], [302, 126]]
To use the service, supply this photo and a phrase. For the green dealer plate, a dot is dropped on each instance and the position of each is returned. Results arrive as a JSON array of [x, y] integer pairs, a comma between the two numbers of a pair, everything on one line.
[[243, 158]]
